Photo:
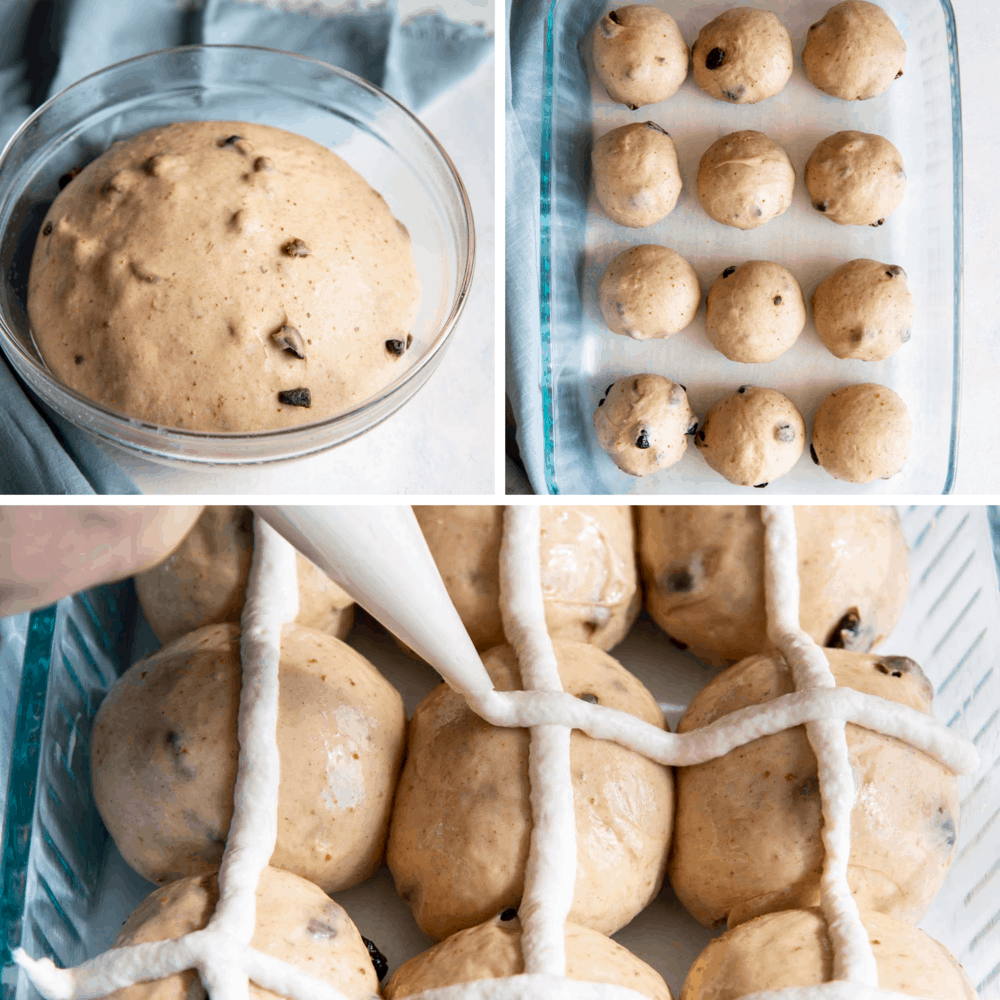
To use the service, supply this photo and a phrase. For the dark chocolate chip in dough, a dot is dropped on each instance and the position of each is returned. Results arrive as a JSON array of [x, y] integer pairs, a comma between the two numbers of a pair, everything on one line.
[[295, 397], [379, 962], [728, 271], [589, 697], [229, 140], [78, 359], [899, 74], [289, 339], [849, 633], [715, 59], [296, 248], [895, 270], [743, 388], [777, 300], [642, 441], [659, 128], [821, 206], [395, 347], [609, 388], [812, 451], [700, 436], [785, 433], [677, 643], [508, 914], [632, 107], [613, 15], [875, 225], [600, 402], [47, 229], [692, 427], [263, 163], [680, 581], [735, 95], [759, 486]]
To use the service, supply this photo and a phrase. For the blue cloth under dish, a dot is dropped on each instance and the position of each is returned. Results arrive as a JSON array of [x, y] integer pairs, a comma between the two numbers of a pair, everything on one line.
[[525, 63], [45, 45]]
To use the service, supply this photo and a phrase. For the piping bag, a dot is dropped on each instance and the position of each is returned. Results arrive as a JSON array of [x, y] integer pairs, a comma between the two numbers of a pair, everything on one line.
[[379, 556]]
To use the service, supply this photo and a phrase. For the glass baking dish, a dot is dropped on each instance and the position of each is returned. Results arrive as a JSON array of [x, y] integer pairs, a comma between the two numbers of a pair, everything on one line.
[[66, 889], [920, 113]]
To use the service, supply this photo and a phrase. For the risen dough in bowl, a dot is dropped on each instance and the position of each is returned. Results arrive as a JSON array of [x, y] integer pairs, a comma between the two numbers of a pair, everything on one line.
[[296, 922], [589, 576], [792, 948], [748, 832], [703, 569], [204, 579], [222, 276], [458, 842], [165, 751], [493, 951]]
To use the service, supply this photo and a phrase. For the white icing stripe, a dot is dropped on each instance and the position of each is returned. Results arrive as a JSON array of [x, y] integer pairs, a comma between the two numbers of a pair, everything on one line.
[[550, 872], [853, 958], [535, 708]]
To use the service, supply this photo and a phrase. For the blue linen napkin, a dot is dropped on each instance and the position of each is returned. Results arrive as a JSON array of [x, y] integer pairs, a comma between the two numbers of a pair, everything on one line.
[[524, 88], [45, 46]]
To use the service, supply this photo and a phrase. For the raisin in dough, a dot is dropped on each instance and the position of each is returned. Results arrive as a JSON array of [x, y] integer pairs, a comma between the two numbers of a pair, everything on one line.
[[792, 948], [492, 950], [296, 922], [165, 751], [643, 423], [202, 275], [703, 570], [748, 831], [745, 179], [639, 55], [589, 578], [204, 580], [743, 56], [864, 310], [752, 437], [458, 842], [854, 51], [855, 178], [755, 311], [862, 433], [636, 177], [649, 291]]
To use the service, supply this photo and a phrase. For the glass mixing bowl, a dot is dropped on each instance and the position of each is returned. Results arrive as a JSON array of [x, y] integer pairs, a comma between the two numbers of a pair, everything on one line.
[[375, 134]]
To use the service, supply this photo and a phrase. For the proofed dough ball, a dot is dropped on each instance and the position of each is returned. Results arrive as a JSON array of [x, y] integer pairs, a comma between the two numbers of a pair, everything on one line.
[[864, 310], [752, 437], [755, 311], [854, 52], [493, 951], [222, 276], [204, 581], [458, 842], [589, 578], [748, 838], [649, 291], [639, 55], [703, 569], [743, 56], [635, 174], [296, 922], [165, 752], [745, 179], [643, 423], [862, 433], [855, 178], [792, 948]]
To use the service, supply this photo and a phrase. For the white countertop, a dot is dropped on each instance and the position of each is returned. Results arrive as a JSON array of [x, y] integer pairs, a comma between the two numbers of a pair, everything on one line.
[[978, 24], [442, 441]]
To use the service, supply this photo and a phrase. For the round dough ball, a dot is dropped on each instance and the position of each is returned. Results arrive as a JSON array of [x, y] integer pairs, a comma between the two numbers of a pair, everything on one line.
[[703, 569], [743, 56], [589, 578], [635, 174], [643, 423], [296, 922], [755, 311], [493, 951], [745, 179], [792, 948], [639, 55], [205, 274], [165, 751], [854, 52], [864, 310], [861, 433], [204, 581], [748, 835], [649, 291], [752, 437], [855, 178], [458, 842]]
